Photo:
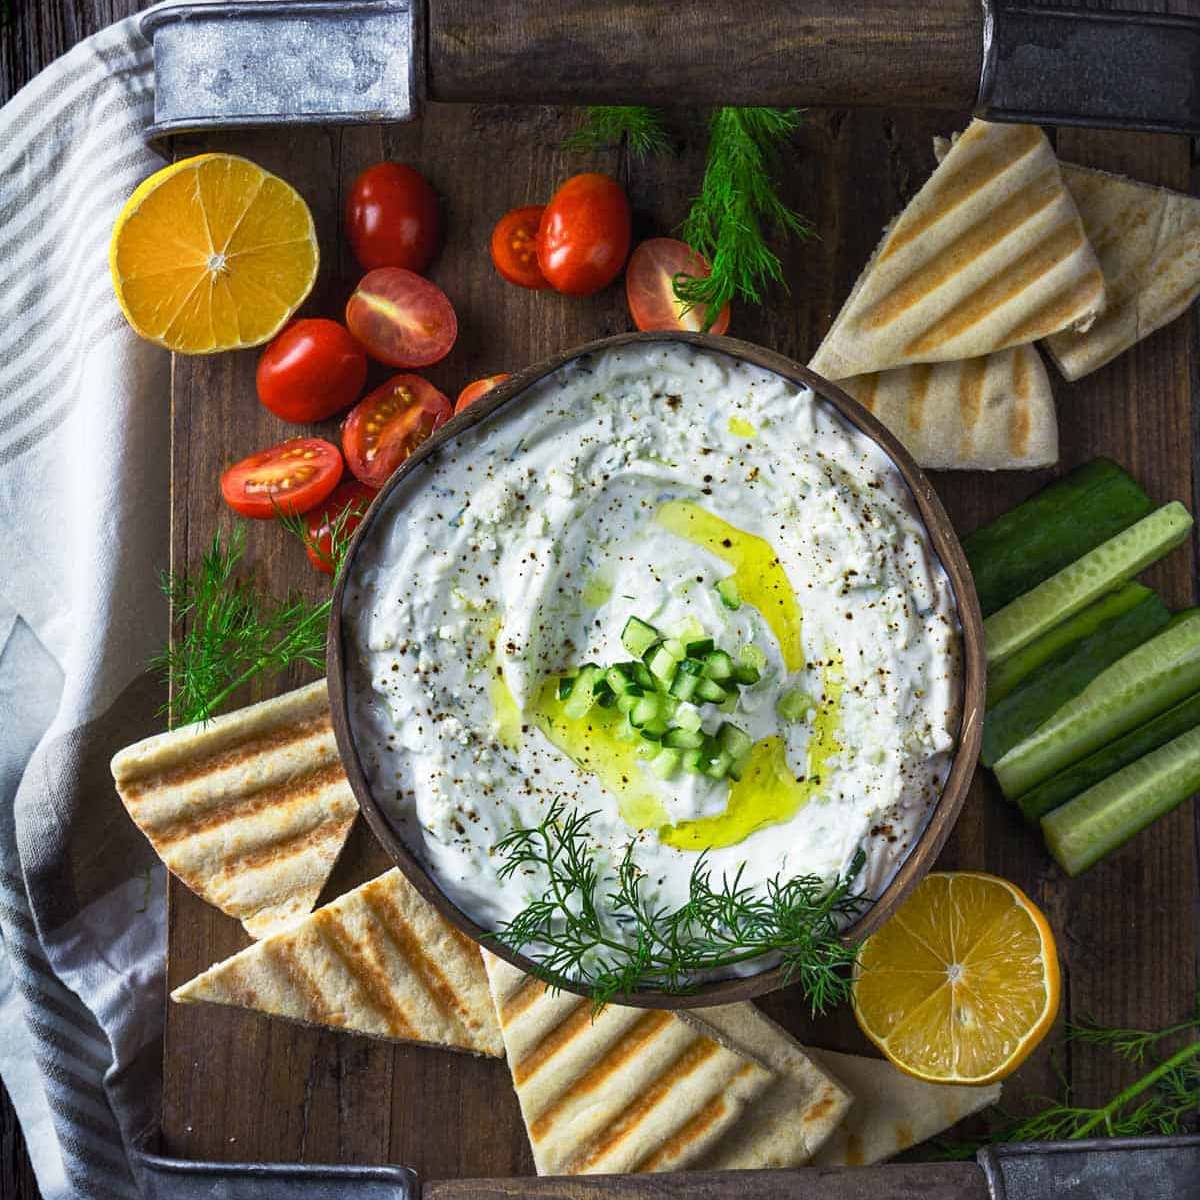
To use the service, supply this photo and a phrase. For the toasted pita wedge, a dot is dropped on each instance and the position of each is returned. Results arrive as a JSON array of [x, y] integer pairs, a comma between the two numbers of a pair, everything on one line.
[[984, 414], [891, 1110], [379, 960], [790, 1121], [989, 254], [250, 810], [627, 1089], [1148, 243]]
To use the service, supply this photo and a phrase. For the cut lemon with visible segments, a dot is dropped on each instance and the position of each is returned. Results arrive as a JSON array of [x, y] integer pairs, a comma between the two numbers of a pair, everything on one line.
[[962, 983], [212, 253]]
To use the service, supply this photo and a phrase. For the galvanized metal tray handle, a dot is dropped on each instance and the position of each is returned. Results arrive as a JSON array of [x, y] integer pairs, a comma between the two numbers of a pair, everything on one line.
[[293, 62]]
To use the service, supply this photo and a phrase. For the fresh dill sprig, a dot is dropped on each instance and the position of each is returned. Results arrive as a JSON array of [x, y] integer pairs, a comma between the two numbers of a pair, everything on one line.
[[230, 632], [639, 127], [341, 531], [600, 929], [738, 206], [1164, 1100]]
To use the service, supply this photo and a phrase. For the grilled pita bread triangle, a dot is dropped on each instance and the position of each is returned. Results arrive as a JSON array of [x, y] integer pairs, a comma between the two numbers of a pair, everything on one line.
[[992, 413], [379, 960], [625, 1089], [790, 1121], [891, 1110], [250, 809], [1148, 243], [989, 254]]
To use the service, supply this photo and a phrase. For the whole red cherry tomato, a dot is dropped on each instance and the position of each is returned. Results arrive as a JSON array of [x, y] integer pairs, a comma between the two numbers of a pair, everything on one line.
[[312, 369], [514, 247], [387, 425], [583, 237], [649, 287], [392, 218], [350, 497], [473, 391], [286, 479], [401, 319]]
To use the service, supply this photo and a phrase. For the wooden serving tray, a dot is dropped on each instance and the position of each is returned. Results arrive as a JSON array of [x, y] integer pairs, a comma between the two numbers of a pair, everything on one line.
[[242, 1087]]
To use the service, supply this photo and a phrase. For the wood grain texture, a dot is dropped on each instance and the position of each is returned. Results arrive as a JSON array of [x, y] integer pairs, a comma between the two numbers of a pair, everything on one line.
[[916, 1181], [753, 52], [1126, 930]]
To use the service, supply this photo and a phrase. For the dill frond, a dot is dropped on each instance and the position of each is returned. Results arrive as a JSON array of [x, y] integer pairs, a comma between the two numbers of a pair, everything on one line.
[[602, 929], [737, 208], [640, 128]]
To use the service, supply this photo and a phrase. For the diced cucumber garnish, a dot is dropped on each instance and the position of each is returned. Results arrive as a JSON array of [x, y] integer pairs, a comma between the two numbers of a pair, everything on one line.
[[684, 739], [794, 704], [734, 739], [700, 648], [644, 710], [1005, 676], [666, 762], [687, 716], [662, 664], [638, 636], [683, 686], [745, 675], [1138, 686], [710, 690], [753, 656], [717, 763], [1109, 759], [718, 665], [727, 589], [565, 684], [582, 696], [1095, 823], [1087, 579]]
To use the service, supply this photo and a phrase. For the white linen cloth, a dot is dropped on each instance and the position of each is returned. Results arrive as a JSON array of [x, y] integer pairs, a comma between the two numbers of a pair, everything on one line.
[[84, 462]]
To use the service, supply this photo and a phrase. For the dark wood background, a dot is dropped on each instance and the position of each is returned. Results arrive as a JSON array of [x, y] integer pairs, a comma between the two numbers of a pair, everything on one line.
[[238, 1086]]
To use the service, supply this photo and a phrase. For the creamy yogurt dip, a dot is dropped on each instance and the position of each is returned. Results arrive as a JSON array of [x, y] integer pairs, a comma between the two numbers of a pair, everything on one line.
[[630, 483]]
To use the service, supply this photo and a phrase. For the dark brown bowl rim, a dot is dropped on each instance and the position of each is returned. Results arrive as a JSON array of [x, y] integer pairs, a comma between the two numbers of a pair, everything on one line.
[[945, 544]]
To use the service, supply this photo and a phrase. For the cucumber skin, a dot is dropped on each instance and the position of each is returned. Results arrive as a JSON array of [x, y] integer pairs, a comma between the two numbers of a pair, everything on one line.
[[1051, 529], [1106, 761], [1027, 765], [1096, 822], [1019, 623], [1066, 675], [1006, 676]]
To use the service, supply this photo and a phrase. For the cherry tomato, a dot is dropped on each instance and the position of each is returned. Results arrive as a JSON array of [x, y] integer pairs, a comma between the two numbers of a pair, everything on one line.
[[473, 391], [289, 478], [514, 247], [648, 287], [392, 218], [313, 369], [349, 494], [401, 319], [386, 426], [583, 237]]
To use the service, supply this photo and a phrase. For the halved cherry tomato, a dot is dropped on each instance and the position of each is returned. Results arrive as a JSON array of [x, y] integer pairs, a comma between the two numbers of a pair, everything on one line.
[[401, 319], [385, 427], [313, 369], [480, 387], [289, 478], [514, 247], [648, 287], [392, 218], [349, 494], [583, 237]]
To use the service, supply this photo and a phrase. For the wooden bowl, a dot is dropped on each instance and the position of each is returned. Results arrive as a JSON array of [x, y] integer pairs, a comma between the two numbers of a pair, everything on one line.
[[945, 544]]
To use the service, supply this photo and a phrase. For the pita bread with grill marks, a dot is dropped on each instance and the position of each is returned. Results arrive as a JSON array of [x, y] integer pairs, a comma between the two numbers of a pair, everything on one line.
[[1148, 243], [791, 1120], [250, 810], [985, 414], [891, 1111], [989, 254], [379, 960], [623, 1090]]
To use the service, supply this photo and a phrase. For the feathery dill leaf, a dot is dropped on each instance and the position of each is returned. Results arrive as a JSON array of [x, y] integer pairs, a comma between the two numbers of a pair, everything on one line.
[[1164, 1100], [229, 631], [601, 930], [603, 125], [738, 207]]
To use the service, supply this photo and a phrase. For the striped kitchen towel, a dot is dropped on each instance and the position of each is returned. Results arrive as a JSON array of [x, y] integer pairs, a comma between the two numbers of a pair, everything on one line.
[[83, 522]]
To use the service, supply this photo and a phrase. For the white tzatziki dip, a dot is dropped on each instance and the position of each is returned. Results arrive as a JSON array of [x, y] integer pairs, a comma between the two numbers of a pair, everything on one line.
[[737, 519]]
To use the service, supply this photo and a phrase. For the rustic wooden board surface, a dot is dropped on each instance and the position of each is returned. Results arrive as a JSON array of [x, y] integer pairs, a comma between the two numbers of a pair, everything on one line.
[[238, 1086]]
